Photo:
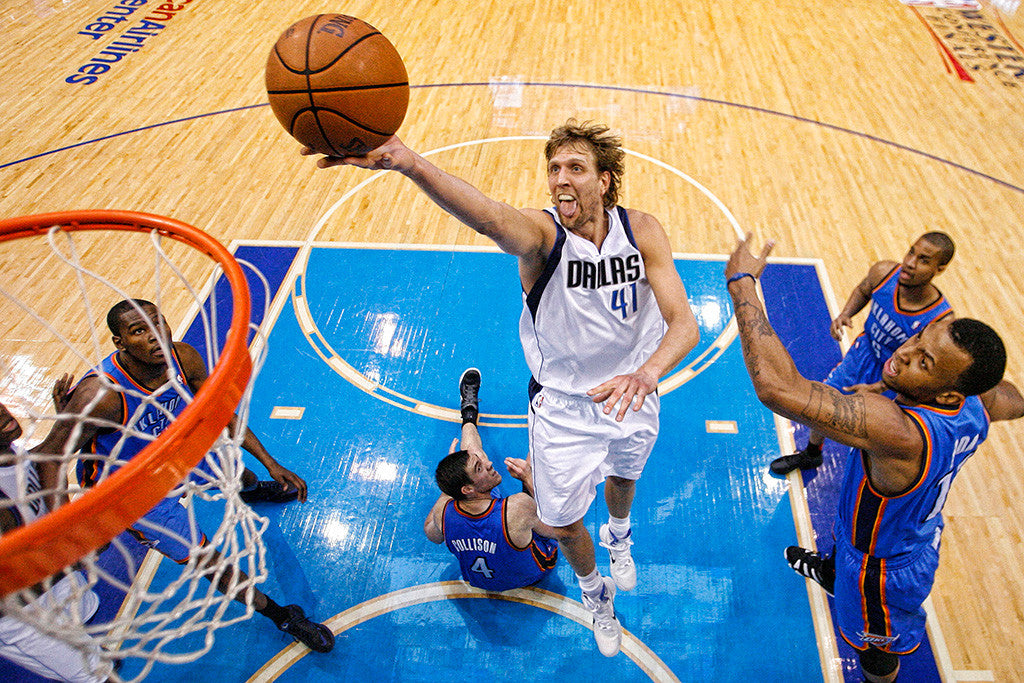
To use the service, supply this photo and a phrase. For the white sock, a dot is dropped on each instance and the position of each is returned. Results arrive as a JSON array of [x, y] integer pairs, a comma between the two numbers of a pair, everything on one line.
[[619, 527], [591, 584]]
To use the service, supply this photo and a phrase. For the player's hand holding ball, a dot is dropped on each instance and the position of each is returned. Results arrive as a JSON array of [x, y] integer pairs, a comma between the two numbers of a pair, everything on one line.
[[337, 85], [393, 155]]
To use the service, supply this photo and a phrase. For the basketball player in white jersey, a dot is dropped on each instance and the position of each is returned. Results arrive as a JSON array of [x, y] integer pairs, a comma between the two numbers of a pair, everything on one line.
[[21, 643], [605, 315]]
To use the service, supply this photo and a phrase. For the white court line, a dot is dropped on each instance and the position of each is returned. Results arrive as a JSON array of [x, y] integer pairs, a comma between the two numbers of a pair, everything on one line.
[[632, 647], [821, 617]]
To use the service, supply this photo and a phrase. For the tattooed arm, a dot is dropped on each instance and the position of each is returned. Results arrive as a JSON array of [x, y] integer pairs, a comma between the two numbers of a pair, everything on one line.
[[868, 421]]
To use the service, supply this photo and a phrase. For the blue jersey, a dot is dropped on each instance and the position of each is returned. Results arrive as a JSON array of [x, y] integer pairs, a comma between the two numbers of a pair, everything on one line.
[[140, 414], [487, 556], [887, 325], [898, 526]]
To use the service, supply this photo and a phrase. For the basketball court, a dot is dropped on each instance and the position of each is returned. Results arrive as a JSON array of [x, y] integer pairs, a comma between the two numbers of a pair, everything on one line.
[[843, 133], [717, 522]]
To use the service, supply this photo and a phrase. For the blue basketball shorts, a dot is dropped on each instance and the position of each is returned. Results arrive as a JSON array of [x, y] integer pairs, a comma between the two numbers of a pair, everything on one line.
[[879, 602], [168, 530]]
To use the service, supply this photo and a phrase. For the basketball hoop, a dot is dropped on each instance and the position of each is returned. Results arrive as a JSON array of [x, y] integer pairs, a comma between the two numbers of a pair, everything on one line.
[[49, 546]]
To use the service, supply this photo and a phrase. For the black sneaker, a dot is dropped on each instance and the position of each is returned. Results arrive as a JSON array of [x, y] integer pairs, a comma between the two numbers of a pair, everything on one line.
[[316, 637], [268, 492], [801, 459], [469, 391], [814, 566]]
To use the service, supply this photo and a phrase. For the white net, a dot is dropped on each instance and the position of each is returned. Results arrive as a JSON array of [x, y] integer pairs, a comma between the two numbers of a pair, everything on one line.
[[119, 601]]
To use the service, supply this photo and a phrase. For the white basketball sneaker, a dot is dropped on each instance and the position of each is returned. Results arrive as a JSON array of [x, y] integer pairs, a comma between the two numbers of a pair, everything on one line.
[[623, 569], [607, 630]]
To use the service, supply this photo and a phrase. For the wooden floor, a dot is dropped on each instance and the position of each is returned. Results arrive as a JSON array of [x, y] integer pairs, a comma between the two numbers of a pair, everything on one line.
[[841, 130]]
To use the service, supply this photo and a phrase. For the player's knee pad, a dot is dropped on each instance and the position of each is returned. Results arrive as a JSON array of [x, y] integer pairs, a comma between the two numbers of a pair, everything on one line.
[[877, 662]]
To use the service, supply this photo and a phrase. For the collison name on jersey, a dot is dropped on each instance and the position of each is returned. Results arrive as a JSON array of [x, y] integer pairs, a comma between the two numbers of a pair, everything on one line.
[[610, 271], [468, 545]]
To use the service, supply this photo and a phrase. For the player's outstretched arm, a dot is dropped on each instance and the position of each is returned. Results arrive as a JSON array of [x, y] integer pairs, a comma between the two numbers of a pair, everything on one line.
[[520, 233], [524, 508], [864, 420], [521, 470], [523, 520], [88, 399], [61, 391], [276, 470], [873, 387]]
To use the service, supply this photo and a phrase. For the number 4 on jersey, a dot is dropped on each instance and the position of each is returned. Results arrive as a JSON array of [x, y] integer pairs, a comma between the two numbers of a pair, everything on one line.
[[624, 300], [480, 567]]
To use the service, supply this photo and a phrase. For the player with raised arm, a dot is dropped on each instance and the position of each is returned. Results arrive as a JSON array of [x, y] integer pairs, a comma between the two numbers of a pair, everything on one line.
[[500, 542], [149, 365], [948, 386], [902, 301], [284, 486], [604, 316]]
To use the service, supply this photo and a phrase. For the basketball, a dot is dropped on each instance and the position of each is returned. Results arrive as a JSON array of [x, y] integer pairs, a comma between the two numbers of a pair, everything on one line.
[[337, 85]]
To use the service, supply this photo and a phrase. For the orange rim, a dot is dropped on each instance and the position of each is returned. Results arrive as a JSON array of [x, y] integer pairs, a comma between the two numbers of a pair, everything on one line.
[[31, 553]]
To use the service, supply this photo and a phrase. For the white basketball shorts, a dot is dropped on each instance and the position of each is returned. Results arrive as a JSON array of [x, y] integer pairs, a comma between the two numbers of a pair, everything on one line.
[[50, 657], [575, 446]]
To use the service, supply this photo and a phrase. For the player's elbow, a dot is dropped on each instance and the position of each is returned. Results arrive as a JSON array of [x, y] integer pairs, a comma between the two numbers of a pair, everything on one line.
[[772, 393], [431, 531], [692, 336], [767, 394]]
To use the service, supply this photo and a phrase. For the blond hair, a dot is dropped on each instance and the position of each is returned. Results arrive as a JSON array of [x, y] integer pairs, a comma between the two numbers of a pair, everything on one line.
[[606, 146]]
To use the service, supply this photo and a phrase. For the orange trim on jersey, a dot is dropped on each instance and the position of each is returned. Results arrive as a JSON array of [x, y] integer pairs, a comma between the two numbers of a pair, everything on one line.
[[849, 642], [90, 467], [886, 279], [896, 296], [177, 368], [928, 449], [113, 359], [861, 577], [864, 590], [124, 408], [932, 408], [545, 561], [876, 523], [940, 300], [862, 648], [856, 513], [885, 604], [470, 515], [504, 528], [939, 410]]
